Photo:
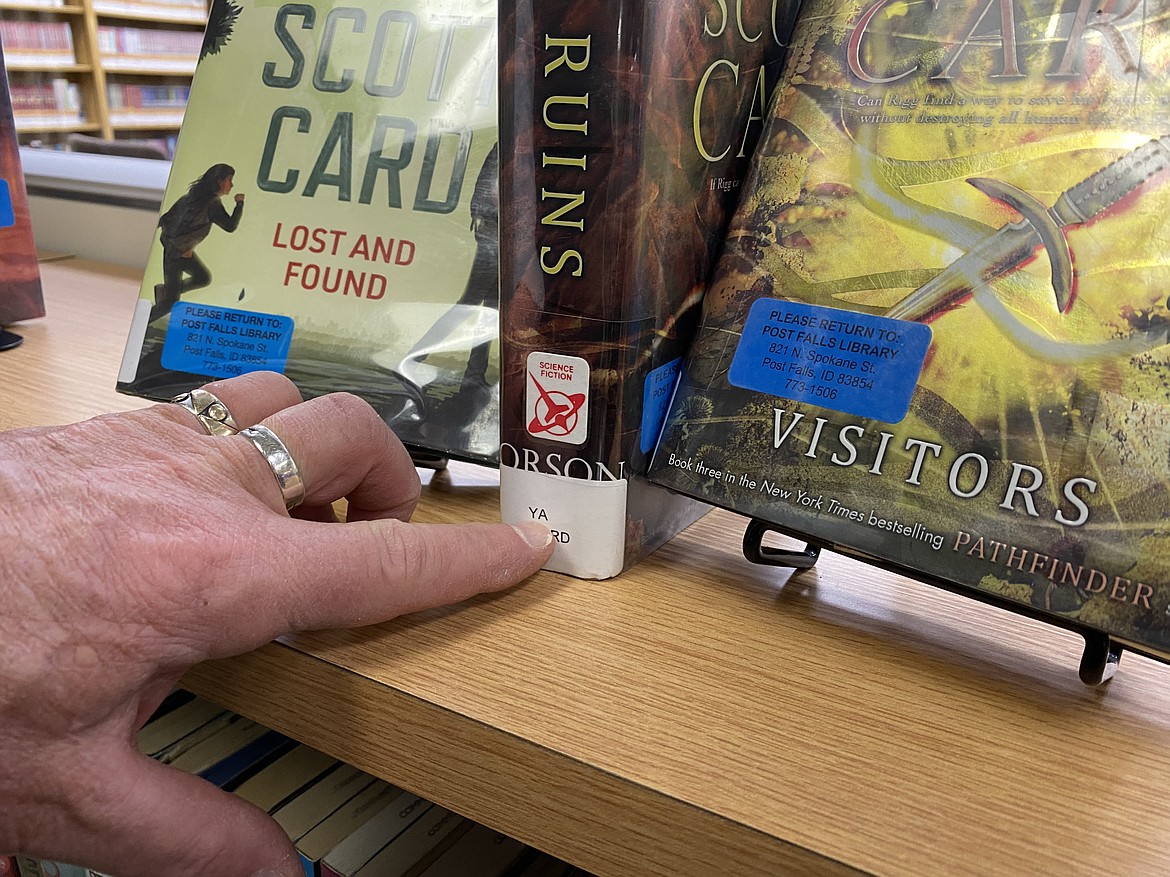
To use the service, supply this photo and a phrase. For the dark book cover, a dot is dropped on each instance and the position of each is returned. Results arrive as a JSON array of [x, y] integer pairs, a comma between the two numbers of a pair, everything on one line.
[[331, 215], [625, 130], [20, 276], [937, 335]]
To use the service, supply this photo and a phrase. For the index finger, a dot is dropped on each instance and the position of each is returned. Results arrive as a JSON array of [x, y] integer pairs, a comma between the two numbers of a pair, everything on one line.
[[368, 572], [306, 575]]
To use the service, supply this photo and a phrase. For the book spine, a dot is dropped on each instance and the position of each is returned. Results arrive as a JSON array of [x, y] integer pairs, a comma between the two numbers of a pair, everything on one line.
[[623, 147]]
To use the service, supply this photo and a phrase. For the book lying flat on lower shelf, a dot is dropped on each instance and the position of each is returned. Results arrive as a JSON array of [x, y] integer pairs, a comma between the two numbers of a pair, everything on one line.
[[327, 808], [481, 851], [21, 297], [331, 214], [937, 335], [625, 128], [345, 859], [331, 831], [410, 853]]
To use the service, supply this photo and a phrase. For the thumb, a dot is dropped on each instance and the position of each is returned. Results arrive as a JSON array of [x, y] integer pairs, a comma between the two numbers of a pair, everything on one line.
[[146, 819]]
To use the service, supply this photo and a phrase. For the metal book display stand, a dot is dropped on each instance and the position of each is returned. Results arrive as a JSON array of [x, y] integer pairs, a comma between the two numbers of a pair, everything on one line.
[[1099, 659]]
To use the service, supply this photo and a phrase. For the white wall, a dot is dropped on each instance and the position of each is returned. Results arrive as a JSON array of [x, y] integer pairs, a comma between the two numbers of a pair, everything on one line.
[[121, 235], [94, 206]]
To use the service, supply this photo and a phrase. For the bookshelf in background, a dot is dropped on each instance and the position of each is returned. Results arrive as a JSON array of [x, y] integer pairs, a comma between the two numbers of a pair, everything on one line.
[[110, 70]]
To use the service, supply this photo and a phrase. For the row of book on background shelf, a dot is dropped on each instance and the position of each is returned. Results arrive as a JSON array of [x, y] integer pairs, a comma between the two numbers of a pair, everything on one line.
[[905, 298], [344, 822], [56, 101], [190, 10], [130, 48], [35, 41]]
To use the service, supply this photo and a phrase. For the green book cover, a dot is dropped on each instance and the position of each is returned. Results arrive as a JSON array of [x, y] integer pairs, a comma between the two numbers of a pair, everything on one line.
[[331, 214], [936, 335]]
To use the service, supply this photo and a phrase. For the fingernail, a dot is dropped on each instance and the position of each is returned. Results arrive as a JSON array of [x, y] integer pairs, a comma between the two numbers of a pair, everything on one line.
[[536, 535]]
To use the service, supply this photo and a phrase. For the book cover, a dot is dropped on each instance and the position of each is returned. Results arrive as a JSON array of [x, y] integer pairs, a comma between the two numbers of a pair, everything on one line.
[[625, 128], [229, 739], [542, 865], [303, 813], [21, 297], [408, 854], [166, 730], [286, 777], [331, 214], [355, 851], [482, 851], [239, 765], [937, 335], [342, 822]]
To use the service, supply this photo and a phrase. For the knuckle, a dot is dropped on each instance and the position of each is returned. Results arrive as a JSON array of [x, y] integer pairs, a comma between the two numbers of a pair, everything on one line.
[[407, 559]]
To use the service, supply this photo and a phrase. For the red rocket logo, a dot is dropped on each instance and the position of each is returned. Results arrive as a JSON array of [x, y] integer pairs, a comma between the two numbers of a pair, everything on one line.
[[555, 403], [556, 412]]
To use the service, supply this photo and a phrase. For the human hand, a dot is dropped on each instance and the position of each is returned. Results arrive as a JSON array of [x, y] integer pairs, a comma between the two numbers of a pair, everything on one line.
[[239, 197], [133, 546]]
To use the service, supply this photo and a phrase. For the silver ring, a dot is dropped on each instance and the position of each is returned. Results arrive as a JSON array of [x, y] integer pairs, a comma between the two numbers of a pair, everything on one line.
[[280, 461], [211, 413]]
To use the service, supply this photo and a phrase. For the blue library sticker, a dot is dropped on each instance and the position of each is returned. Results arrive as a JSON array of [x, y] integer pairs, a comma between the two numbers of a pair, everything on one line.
[[7, 214], [223, 342], [859, 364], [656, 393]]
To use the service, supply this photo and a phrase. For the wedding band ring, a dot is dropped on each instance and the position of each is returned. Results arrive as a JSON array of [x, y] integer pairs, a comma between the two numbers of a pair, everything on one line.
[[212, 414], [284, 468]]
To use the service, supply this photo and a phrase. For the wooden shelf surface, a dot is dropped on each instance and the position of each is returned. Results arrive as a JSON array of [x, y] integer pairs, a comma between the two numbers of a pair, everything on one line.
[[33, 67], [698, 715], [41, 8]]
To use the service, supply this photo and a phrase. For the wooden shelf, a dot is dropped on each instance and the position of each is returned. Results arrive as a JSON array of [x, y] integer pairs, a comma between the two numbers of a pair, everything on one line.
[[112, 66], [22, 67], [80, 127], [157, 14], [90, 71], [161, 125], [42, 8], [698, 715]]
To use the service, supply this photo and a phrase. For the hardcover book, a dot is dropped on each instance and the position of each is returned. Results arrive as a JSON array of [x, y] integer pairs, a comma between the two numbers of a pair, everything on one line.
[[937, 335], [331, 214], [626, 126], [21, 297]]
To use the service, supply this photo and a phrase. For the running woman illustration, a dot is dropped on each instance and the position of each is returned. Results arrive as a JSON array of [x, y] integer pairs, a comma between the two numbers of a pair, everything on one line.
[[185, 226]]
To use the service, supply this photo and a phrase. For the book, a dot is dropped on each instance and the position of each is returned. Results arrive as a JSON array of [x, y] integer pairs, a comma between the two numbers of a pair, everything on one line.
[[408, 854], [336, 220], [351, 854], [286, 777], [541, 865], [625, 128], [482, 851], [205, 754], [936, 337], [168, 729], [21, 297], [342, 822], [302, 813], [250, 758]]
